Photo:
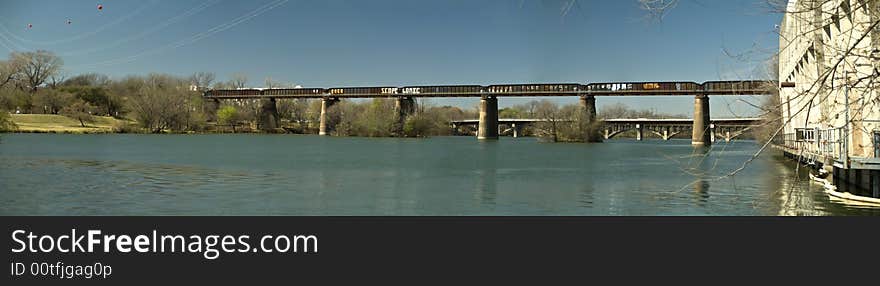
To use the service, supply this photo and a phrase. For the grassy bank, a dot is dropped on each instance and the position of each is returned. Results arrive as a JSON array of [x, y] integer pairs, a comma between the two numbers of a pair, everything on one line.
[[49, 123]]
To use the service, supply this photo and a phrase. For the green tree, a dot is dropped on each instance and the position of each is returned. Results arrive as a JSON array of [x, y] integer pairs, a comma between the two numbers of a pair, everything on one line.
[[88, 79], [511, 112], [6, 123], [97, 96], [418, 125], [52, 101], [227, 115]]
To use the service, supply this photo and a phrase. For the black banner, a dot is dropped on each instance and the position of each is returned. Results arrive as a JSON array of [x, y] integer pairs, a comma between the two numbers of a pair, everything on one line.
[[419, 250]]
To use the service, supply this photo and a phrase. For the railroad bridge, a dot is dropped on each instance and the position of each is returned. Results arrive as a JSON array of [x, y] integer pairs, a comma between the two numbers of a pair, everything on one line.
[[666, 129], [488, 122]]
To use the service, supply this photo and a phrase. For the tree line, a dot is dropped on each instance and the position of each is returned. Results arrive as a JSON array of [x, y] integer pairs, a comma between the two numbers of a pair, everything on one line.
[[33, 82]]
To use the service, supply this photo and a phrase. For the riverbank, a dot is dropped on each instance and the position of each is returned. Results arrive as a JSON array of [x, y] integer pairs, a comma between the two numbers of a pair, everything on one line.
[[59, 124], [51, 123]]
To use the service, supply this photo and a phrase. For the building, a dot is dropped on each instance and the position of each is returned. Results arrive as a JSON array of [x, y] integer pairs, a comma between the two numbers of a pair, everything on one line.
[[828, 62]]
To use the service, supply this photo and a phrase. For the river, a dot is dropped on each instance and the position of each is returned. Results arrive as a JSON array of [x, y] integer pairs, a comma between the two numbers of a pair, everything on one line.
[[54, 174]]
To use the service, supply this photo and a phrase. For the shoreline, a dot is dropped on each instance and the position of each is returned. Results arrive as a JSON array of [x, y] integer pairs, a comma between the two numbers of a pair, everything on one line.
[[845, 197]]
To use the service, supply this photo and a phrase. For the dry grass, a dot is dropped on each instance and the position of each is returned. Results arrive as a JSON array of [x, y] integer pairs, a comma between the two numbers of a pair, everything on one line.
[[48, 123]]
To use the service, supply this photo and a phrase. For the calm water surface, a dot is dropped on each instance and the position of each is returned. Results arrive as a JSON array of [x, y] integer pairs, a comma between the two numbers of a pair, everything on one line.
[[46, 174]]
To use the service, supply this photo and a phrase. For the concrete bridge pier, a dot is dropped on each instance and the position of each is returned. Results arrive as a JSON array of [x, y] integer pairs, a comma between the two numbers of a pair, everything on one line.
[[326, 103], [701, 132], [666, 134], [588, 103], [712, 134], [640, 132], [212, 107], [517, 129], [269, 120], [488, 128], [405, 106]]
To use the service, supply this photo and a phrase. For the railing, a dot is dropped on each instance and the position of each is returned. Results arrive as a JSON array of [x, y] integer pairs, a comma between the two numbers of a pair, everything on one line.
[[816, 143]]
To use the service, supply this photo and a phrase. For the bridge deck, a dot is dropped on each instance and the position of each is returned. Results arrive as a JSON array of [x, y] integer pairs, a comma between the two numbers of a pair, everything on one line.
[[749, 87], [688, 121]]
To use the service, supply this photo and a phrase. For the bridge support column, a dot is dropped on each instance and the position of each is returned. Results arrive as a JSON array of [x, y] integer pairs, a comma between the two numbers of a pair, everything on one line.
[[488, 128], [213, 105], [405, 106], [712, 135], [640, 132], [666, 134], [588, 103], [269, 120], [517, 129], [701, 135], [326, 103], [607, 133]]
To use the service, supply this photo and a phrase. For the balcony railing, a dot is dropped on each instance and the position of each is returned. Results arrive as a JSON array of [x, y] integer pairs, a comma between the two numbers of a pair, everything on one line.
[[816, 143]]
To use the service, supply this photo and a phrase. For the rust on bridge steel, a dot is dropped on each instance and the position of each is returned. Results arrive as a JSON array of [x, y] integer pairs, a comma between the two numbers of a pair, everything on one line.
[[746, 87]]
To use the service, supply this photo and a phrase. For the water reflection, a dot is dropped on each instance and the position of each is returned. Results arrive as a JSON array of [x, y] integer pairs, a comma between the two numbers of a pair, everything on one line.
[[487, 171], [701, 192], [263, 175], [587, 195], [701, 166]]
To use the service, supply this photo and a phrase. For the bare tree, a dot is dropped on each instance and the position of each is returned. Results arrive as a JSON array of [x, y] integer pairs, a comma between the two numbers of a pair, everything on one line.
[[80, 111], [549, 113], [10, 69], [202, 80], [37, 67], [238, 81], [270, 83], [56, 79]]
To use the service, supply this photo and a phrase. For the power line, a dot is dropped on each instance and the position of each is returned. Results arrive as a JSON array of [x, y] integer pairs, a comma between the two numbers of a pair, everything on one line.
[[113, 23], [219, 28], [147, 32]]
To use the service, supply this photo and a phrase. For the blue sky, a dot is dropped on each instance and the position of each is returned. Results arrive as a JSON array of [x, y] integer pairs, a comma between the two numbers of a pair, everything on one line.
[[356, 43]]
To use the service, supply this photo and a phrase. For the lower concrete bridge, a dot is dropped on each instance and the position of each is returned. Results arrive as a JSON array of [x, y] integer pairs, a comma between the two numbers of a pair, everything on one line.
[[718, 129]]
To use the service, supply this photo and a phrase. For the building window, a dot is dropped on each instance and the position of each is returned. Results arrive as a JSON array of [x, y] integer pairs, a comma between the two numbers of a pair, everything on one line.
[[805, 134], [876, 142]]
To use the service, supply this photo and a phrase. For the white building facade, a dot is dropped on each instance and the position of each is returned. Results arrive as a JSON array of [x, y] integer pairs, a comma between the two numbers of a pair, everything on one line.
[[828, 62]]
